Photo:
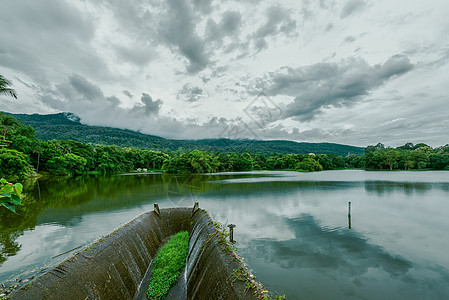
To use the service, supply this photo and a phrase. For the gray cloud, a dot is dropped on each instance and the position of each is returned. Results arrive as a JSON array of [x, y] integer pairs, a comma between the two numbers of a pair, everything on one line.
[[128, 94], [324, 85], [279, 20], [349, 39], [190, 93], [85, 88], [149, 106], [47, 37], [329, 27], [118, 49], [351, 7], [86, 100], [138, 55], [177, 29], [327, 4], [229, 25], [204, 6]]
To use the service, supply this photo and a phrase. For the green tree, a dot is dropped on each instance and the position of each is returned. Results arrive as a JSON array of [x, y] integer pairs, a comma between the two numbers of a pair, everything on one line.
[[407, 146], [68, 164], [354, 161], [177, 164], [14, 164], [202, 161], [439, 161], [5, 87], [242, 162], [325, 161], [372, 148], [391, 157], [309, 164]]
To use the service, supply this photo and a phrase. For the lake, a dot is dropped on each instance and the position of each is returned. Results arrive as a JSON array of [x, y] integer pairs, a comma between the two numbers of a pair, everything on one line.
[[293, 228]]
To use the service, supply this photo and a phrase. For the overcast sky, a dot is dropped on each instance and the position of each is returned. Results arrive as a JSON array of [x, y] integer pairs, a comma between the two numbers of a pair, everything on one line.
[[355, 72]]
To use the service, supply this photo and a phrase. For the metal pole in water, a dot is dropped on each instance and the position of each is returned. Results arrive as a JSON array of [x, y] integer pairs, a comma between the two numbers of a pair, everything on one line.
[[349, 215], [231, 232], [156, 209]]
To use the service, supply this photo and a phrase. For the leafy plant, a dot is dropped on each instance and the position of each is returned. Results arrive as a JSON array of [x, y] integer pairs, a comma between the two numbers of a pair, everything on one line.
[[168, 264], [10, 194]]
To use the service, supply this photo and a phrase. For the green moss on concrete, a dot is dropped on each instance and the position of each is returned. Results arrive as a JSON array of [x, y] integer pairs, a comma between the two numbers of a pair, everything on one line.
[[168, 265]]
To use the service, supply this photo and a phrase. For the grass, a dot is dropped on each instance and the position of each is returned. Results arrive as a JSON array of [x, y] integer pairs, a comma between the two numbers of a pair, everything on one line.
[[168, 265]]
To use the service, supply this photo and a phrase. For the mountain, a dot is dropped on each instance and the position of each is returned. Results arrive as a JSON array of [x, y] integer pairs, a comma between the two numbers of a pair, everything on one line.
[[67, 126]]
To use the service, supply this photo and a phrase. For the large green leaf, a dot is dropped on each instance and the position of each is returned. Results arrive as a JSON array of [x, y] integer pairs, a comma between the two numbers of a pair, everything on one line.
[[9, 206], [16, 199]]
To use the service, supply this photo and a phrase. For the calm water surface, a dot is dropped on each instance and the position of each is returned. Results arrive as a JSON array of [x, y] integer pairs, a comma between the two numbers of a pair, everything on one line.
[[292, 228]]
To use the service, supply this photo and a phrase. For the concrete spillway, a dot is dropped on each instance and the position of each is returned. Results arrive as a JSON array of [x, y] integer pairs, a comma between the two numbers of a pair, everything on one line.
[[115, 266]]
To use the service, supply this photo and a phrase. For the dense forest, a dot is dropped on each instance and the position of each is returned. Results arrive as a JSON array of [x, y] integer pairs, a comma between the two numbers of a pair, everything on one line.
[[22, 154]]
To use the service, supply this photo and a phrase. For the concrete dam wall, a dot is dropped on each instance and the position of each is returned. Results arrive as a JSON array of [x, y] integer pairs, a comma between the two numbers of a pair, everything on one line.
[[115, 266]]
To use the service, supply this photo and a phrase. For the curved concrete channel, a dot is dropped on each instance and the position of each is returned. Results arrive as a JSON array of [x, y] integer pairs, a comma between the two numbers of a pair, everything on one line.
[[118, 266]]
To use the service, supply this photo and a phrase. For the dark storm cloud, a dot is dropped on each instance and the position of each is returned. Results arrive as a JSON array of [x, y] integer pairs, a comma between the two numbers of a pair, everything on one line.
[[190, 93], [178, 30], [351, 7], [279, 20], [326, 85]]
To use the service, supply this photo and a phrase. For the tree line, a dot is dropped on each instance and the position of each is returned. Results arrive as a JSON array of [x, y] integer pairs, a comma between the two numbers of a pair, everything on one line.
[[22, 154], [406, 157]]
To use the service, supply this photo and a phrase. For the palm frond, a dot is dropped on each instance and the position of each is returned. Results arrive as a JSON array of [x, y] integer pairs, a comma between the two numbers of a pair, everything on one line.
[[4, 87]]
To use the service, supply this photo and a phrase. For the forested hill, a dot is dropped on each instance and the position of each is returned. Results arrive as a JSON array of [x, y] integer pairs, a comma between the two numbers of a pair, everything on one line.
[[66, 126]]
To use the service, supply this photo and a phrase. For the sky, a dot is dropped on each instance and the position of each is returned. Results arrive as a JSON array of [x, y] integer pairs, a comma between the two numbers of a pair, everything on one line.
[[354, 72]]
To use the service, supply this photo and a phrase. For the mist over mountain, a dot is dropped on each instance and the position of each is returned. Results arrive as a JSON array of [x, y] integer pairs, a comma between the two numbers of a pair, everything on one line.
[[67, 126]]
